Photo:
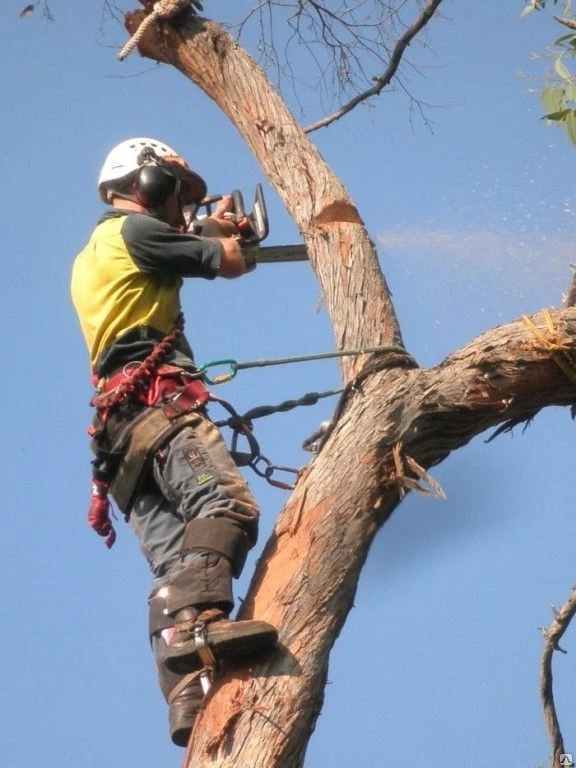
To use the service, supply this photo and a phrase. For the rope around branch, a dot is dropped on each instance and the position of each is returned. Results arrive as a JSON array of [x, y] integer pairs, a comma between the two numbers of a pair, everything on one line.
[[163, 9]]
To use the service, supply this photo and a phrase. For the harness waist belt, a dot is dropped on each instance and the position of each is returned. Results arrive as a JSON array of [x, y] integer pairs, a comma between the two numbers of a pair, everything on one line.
[[172, 388]]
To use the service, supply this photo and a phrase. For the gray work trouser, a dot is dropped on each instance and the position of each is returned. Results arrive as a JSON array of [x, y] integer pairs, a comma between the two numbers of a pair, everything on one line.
[[193, 478]]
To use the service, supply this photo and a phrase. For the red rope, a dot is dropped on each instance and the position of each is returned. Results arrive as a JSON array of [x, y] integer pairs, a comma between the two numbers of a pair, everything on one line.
[[141, 376]]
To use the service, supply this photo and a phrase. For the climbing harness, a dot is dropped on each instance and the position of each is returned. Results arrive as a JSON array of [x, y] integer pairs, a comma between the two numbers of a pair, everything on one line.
[[132, 383], [241, 424], [181, 392]]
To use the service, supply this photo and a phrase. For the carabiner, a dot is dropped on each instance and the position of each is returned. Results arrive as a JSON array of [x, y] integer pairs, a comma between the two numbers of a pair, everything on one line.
[[222, 377], [280, 483]]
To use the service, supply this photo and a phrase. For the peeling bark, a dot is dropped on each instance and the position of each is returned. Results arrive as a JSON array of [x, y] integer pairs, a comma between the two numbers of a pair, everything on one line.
[[393, 425]]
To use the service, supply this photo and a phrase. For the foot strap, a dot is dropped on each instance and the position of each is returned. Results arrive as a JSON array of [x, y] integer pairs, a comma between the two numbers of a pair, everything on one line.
[[203, 649], [182, 685]]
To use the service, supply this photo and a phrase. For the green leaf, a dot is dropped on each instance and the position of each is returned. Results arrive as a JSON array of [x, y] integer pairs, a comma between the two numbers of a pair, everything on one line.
[[570, 92], [557, 116], [569, 38], [570, 124], [533, 5], [561, 70], [553, 99]]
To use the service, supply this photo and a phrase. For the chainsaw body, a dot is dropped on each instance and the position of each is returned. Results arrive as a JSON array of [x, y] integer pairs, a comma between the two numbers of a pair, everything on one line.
[[254, 228]]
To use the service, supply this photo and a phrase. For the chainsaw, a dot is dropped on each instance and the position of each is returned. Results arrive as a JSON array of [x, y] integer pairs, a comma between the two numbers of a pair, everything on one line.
[[254, 229]]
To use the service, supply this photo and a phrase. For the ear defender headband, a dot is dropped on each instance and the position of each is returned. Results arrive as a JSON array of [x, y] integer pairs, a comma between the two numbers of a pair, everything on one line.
[[154, 183]]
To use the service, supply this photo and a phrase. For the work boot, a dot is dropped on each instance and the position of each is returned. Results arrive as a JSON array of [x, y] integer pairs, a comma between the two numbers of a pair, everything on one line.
[[183, 694], [184, 701], [205, 638]]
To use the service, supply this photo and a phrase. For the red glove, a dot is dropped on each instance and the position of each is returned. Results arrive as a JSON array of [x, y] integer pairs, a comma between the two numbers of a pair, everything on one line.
[[99, 512]]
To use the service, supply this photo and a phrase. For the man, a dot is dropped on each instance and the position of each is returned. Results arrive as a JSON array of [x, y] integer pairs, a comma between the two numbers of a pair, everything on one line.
[[163, 461]]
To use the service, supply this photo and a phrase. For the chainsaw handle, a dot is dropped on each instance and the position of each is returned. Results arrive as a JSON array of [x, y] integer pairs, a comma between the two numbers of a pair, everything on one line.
[[259, 215], [248, 235], [238, 203]]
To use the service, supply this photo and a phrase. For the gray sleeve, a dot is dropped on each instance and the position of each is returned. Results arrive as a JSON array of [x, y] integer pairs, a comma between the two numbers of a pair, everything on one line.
[[159, 249]]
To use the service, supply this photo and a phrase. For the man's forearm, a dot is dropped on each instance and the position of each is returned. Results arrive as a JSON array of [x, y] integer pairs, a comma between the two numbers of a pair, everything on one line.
[[233, 263]]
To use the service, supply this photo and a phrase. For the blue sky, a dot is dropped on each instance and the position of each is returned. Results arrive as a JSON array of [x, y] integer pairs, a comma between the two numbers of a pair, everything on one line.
[[438, 662]]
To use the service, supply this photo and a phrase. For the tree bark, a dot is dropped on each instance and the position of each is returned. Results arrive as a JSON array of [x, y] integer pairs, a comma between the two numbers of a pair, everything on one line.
[[395, 421]]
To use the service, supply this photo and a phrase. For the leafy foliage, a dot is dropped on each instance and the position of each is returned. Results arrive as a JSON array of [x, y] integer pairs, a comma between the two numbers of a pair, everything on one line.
[[540, 5], [558, 97]]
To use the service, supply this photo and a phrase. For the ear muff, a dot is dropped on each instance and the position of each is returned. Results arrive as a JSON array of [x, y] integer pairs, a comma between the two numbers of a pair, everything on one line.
[[153, 185]]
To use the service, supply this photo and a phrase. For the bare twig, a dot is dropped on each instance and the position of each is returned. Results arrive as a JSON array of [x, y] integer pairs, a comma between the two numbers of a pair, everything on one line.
[[552, 634], [345, 41], [384, 79], [29, 9], [570, 23]]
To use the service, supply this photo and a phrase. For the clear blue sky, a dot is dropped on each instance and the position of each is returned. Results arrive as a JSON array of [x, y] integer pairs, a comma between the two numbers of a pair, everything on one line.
[[438, 662]]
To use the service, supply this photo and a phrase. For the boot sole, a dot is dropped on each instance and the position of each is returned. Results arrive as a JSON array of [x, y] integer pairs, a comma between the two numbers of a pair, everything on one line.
[[233, 641]]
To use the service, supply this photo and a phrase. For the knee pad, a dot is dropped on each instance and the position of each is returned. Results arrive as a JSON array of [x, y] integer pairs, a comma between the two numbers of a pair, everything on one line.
[[215, 534]]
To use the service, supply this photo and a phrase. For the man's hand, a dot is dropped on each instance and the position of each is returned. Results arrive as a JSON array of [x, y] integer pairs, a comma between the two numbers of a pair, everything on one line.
[[220, 223], [99, 512], [233, 263]]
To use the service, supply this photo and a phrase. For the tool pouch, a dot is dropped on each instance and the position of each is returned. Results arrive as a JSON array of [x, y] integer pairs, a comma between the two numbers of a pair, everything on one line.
[[138, 442], [127, 437]]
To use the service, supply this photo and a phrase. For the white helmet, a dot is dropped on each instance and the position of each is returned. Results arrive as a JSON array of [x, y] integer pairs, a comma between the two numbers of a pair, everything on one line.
[[126, 158]]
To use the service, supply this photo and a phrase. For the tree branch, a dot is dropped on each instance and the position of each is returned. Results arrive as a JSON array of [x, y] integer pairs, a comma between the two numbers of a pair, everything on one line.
[[384, 79], [340, 249], [570, 23], [552, 634]]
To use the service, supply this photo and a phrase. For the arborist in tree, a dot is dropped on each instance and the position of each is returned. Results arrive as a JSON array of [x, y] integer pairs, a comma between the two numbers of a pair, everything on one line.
[[157, 453]]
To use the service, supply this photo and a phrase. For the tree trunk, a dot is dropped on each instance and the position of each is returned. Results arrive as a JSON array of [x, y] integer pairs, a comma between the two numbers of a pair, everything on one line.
[[394, 422]]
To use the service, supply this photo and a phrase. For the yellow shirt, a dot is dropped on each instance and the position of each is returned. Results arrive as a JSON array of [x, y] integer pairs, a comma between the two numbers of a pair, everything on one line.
[[126, 285]]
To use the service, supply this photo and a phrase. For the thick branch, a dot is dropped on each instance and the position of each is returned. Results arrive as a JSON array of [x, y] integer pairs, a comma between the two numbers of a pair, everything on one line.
[[384, 79], [553, 634]]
